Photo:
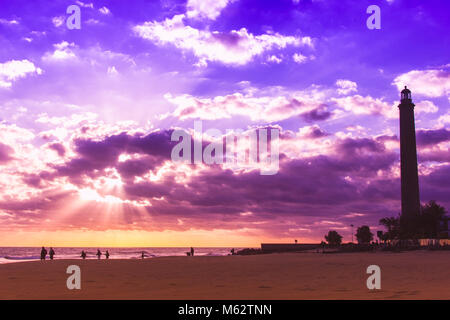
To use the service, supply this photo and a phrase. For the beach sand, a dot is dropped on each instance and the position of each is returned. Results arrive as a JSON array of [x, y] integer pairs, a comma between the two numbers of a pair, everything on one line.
[[408, 275]]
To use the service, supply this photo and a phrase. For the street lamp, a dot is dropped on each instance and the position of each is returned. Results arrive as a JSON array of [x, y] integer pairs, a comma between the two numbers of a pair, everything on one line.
[[352, 231]]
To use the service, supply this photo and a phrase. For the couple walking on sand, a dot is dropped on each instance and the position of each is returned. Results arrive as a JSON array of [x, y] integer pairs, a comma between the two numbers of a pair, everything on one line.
[[99, 254], [44, 253]]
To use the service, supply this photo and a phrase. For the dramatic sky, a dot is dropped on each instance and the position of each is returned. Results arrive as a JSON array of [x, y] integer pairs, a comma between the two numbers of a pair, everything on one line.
[[86, 117]]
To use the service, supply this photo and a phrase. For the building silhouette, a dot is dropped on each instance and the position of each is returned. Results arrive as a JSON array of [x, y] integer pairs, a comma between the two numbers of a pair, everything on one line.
[[408, 158]]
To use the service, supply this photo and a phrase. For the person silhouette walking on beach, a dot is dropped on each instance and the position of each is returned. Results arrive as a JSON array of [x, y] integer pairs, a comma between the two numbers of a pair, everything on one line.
[[143, 255], [107, 254], [43, 253], [192, 252], [232, 252], [99, 254], [51, 253], [83, 254]]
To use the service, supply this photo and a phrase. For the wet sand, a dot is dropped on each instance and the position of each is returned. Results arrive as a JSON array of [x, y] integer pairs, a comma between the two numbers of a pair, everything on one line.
[[408, 275]]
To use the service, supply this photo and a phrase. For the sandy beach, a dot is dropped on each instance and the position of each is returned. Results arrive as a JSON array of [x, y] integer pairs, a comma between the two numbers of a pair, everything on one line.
[[408, 275]]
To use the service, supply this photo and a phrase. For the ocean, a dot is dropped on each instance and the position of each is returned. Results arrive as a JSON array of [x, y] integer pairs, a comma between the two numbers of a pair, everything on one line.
[[17, 254]]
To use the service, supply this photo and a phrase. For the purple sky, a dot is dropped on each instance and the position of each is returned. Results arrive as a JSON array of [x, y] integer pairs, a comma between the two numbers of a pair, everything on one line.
[[86, 116]]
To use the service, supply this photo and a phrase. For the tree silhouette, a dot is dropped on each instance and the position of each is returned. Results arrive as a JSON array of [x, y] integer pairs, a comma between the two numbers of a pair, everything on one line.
[[430, 218], [363, 235], [393, 228], [425, 225], [333, 238]]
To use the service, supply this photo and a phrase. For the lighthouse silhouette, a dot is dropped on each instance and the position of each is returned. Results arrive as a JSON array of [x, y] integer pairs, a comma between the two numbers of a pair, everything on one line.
[[408, 158]]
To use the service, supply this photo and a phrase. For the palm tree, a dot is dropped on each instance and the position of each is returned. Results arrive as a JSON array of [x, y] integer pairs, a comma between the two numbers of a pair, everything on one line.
[[393, 226], [425, 225], [430, 217]]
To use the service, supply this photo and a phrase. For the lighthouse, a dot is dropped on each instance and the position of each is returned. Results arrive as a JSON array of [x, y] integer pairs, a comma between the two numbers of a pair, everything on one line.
[[408, 158]]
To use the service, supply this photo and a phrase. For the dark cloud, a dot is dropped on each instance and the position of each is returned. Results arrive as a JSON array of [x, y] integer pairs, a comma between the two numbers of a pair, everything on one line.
[[433, 155], [46, 201], [436, 186], [5, 153], [93, 156], [316, 133], [308, 181], [301, 183], [328, 186], [385, 138], [430, 137], [318, 114], [352, 146], [59, 148], [137, 167], [228, 39], [32, 180]]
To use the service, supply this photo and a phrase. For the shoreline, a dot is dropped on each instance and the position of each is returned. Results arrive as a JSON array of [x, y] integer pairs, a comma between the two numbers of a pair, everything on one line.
[[19, 254], [277, 276]]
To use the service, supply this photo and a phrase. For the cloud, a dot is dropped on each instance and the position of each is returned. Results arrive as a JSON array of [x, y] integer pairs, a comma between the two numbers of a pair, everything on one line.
[[263, 109], [67, 122], [209, 9], [312, 132], [96, 156], [59, 148], [299, 58], [368, 105], [431, 137], [274, 59], [58, 21], [429, 83], [349, 147], [9, 22], [301, 183], [346, 86], [444, 119], [104, 10], [130, 174], [319, 113], [5, 153], [426, 106], [63, 51], [13, 70], [85, 5], [237, 47], [435, 186], [92, 21], [12, 135]]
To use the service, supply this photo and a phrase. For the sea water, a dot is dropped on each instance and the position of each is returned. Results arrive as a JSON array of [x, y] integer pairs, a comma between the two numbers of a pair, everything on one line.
[[18, 254]]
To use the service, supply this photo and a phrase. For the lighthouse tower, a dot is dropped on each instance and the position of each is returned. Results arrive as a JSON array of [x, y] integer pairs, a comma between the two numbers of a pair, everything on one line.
[[408, 157]]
